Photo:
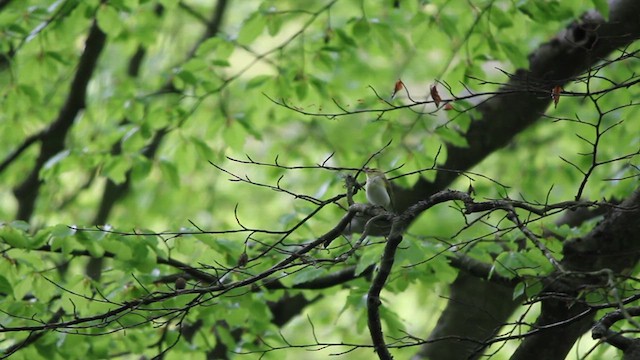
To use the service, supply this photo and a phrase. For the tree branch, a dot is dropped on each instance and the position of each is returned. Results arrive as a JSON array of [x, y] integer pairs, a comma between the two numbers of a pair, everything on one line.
[[114, 192], [614, 245], [502, 117], [53, 139], [572, 52]]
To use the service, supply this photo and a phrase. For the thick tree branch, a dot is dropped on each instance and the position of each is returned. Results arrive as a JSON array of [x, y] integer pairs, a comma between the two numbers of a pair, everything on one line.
[[629, 346], [478, 287], [400, 223], [572, 52], [26, 143], [4, 3], [502, 118], [476, 310], [114, 192], [52, 141], [373, 296], [614, 246], [337, 278]]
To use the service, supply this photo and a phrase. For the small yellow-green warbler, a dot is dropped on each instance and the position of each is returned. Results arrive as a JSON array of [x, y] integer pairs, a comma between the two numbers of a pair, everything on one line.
[[378, 189]]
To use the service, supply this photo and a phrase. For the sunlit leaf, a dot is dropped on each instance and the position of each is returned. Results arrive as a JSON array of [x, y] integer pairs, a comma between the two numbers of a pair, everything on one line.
[[451, 136], [251, 28], [109, 20], [170, 172]]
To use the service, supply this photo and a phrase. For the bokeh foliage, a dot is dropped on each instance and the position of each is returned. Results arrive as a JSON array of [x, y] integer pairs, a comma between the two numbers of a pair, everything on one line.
[[213, 99]]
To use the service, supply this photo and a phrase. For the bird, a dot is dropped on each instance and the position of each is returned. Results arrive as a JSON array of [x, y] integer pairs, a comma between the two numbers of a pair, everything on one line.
[[378, 189]]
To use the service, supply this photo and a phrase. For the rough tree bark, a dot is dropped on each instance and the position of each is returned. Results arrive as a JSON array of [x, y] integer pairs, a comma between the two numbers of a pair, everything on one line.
[[573, 51], [613, 246]]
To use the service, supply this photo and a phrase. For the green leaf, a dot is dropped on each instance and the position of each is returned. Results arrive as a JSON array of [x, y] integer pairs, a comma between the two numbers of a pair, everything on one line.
[[170, 172], [115, 168], [512, 264], [394, 324], [518, 291], [301, 88], [57, 56], [141, 168], [274, 23], [307, 274], [14, 237], [154, 244], [209, 46], [531, 10], [50, 167], [370, 256], [544, 11], [235, 137], [258, 81], [169, 4], [187, 76], [31, 91], [5, 287], [220, 63], [18, 29], [133, 140], [144, 260], [62, 239], [226, 337], [527, 289], [20, 224], [41, 237], [554, 9], [346, 39], [90, 241], [499, 18], [514, 54], [251, 28], [120, 248], [452, 137], [230, 248], [109, 20], [449, 25], [24, 286], [204, 150], [361, 28], [61, 230]]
